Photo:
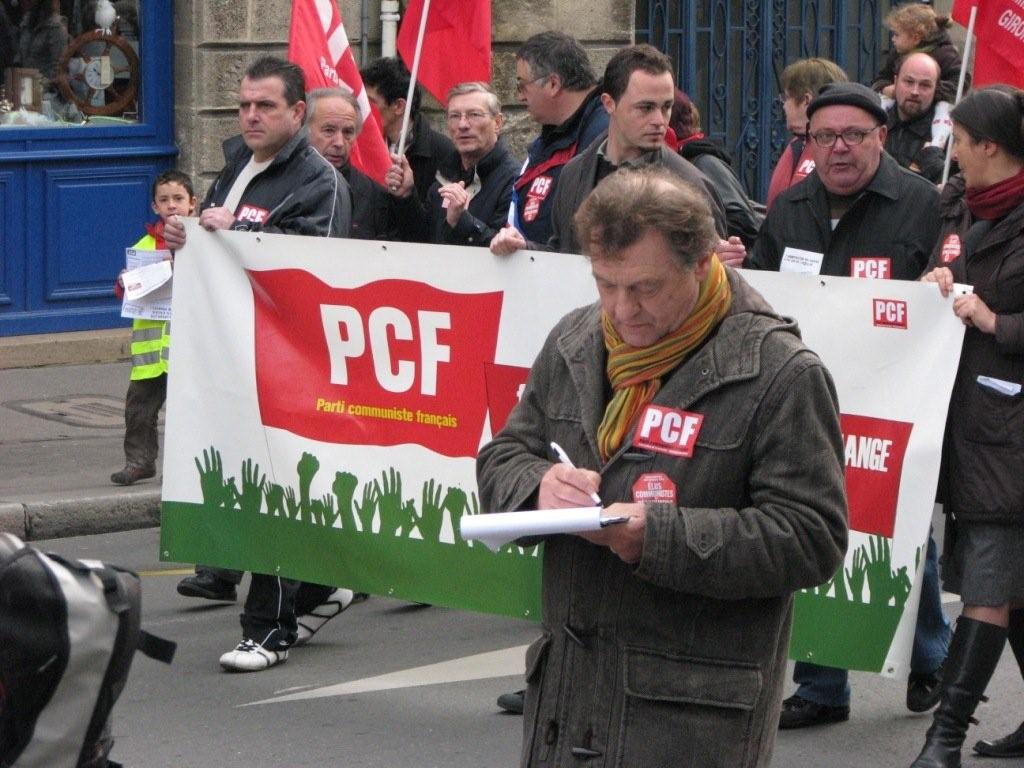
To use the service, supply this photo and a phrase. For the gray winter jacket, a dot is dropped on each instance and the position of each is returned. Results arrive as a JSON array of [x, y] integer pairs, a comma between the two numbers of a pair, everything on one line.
[[677, 660]]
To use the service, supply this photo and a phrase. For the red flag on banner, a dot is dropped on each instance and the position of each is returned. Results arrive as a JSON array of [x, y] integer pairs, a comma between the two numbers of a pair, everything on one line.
[[999, 33], [456, 43], [318, 43]]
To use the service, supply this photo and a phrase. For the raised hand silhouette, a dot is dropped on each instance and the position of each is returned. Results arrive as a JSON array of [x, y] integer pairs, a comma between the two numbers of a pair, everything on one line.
[[293, 505], [317, 510], [431, 512], [211, 480], [275, 499], [409, 519], [329, 514], [231, 495], [307, 468], [392, 511], [857, 576], [365, 510], [901, 587], [344, 488], [455, 504], [879, 571], [251, 497]]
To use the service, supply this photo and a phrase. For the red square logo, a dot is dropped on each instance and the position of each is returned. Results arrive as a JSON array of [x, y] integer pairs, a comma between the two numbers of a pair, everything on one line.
[[668, 430], [889, 313], [873, 451]]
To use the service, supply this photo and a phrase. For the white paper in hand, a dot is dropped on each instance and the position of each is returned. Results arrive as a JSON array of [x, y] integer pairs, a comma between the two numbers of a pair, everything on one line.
[[144, 280], [502, 527]]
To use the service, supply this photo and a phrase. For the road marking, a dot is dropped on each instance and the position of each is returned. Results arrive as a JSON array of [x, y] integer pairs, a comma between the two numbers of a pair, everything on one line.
[[482, 666], [168, 572]]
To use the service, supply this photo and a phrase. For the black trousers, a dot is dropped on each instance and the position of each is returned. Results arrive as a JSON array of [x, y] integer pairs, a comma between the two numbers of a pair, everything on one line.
[[141, 411], [272, 605]]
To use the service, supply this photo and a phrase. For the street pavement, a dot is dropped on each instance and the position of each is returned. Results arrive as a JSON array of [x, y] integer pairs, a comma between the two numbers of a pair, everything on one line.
[[61, 433], [386, 684], [193, 714]]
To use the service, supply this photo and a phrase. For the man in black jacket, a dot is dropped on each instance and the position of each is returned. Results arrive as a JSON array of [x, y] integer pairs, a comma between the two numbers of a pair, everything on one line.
[[468, 203], [857, 214], [335, 121], [274, 181], [910, 119], [387, 85], [638, 93], [556, 83]]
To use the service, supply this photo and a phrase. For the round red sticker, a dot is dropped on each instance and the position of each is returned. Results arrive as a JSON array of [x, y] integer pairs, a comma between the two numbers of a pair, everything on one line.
[[950, 248], [654, 487]]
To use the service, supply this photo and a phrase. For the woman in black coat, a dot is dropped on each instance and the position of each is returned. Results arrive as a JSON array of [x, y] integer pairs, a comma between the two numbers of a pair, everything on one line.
[[982, 477]]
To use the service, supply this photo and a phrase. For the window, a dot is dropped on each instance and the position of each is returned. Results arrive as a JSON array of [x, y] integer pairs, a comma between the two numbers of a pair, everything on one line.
[[70, 62]]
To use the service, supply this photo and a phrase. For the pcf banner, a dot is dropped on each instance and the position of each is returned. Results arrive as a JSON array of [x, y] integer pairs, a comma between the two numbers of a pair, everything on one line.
[[329, 398]]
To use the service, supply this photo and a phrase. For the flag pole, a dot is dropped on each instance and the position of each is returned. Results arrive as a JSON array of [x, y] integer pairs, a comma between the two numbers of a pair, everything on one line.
[[415, 71], [960, 89]]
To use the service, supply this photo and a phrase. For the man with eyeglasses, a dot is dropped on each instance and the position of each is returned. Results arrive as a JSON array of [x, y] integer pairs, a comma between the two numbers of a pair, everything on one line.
[[468, 203], [858, 214], [556, 83]]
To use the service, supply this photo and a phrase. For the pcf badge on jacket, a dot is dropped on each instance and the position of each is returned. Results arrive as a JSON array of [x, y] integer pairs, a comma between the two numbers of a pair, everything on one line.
[[654, 487], [951, 247], [667, 430]]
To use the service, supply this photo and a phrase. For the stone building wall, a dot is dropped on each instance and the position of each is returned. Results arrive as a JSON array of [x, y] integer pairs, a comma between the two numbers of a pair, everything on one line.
[[214, 40]]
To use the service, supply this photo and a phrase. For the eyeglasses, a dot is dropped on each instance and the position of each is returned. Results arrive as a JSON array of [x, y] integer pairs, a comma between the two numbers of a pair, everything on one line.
[[473, 116], [521, 84], [851, 136]]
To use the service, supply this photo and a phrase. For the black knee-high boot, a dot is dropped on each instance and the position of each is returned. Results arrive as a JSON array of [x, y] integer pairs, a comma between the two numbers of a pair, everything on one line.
[[1011, 745], [973, 655]]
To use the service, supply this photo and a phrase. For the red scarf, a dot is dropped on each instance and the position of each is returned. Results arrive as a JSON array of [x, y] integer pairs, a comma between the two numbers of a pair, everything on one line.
[[156, 231], [995, 201], [675, 143]]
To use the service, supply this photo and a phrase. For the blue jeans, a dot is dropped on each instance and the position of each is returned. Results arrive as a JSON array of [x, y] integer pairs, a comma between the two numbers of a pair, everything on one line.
[[830, 686]]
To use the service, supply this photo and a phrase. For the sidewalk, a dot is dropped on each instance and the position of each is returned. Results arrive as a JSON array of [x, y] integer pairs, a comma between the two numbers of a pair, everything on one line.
[[61, 433]]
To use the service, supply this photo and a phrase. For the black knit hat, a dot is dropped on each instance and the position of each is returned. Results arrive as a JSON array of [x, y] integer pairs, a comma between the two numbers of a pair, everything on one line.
[[851, 95]]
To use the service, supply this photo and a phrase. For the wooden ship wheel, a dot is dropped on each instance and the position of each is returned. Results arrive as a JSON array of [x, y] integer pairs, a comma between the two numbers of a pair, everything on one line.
[[87, 67]]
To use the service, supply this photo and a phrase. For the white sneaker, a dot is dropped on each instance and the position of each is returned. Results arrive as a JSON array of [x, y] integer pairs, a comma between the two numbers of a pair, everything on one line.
[[249, 656], [310, 623]]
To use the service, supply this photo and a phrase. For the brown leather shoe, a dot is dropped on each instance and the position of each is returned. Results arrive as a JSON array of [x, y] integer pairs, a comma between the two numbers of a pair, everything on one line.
[[131, 474]]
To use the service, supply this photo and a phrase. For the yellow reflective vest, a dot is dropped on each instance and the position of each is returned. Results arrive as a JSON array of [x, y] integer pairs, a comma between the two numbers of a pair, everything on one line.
[[151, 339]]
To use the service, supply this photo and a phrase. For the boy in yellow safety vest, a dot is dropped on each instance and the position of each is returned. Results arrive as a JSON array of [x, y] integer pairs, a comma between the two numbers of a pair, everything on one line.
[[173, 195]]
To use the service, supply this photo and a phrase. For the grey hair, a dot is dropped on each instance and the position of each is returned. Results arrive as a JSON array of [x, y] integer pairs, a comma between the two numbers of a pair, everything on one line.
[[476, 86], [333, 93]]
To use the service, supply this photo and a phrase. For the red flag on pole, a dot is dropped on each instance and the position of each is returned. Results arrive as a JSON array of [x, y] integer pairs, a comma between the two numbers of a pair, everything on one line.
[[456, 46], [318, 43], [999, 31]]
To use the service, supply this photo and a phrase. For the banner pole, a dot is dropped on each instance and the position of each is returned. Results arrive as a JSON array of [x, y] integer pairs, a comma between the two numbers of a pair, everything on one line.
[[960, 89], [415, 71]]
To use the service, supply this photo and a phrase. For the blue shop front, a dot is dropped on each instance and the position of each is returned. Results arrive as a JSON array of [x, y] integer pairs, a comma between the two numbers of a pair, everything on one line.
[[86, 123]]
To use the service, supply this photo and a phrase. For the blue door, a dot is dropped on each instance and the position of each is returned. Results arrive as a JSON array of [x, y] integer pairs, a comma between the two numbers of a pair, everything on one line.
[[87, 122], [729, 57]]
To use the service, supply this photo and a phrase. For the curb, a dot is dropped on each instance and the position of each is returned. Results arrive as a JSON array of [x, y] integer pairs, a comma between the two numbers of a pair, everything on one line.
[[69, 348], [82, 516], [12, 519]]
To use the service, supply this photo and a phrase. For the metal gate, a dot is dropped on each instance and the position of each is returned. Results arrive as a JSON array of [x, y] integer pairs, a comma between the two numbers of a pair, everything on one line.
[[729, 56]]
